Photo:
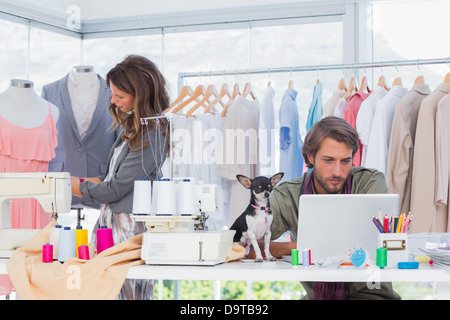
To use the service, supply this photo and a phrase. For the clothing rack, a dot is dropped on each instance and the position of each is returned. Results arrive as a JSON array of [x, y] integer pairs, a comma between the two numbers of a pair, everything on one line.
[[317, 68]]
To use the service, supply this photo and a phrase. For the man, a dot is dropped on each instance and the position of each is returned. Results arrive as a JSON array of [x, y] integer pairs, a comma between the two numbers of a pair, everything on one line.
[[328, 150]]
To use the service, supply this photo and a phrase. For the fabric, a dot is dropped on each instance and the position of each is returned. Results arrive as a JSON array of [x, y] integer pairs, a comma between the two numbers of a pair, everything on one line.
[[380, 133], [427, 216], [350, 114], [284, 205], [316, 108], [330, 104], [364, 118], [240, 151], [118, 192], [82, 157], [442, 154], [291, 144], [83, 102], [27, 150], [266, 134], [401, 144], [100, 278], [341, 106]]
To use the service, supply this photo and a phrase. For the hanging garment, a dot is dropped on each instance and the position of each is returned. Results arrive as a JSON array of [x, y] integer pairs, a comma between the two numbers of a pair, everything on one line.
[[291, 144], [240, 150], [350, 114], [401, 144], [330, 105], [26, 150], [316, 107], [267, 134], [380, 133], [341, 106], [83, 157], [427, 216], [443, 155], [365, 117]]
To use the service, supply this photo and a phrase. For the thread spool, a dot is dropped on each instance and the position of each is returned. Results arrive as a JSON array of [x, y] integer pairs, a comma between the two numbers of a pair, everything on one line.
[[54, 239], [142, 197], [306, 255], [381, 257], [104, 239], [66, 244], [47, 253], [81, 237], [186, 197], [165, 204], [294, 258], [83, 252]]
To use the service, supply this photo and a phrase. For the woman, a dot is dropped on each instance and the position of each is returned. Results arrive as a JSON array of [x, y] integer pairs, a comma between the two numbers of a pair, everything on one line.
[[138, 91]]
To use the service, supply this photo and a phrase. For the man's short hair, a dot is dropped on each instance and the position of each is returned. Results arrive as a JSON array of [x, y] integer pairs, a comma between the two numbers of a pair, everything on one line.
[[329, 127]]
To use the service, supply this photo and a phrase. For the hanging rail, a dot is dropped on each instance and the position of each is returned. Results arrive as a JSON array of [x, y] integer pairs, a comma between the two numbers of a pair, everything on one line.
[[380, 64]]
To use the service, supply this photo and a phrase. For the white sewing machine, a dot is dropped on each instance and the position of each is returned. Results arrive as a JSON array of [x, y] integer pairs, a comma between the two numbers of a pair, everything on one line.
[[184, 240], [51, 189]]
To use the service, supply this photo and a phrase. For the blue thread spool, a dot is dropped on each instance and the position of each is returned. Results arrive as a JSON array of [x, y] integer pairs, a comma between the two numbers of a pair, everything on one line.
[[306, 258]]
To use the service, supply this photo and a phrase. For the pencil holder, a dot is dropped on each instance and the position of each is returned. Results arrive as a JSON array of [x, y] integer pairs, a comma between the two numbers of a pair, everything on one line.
[[396, 245]]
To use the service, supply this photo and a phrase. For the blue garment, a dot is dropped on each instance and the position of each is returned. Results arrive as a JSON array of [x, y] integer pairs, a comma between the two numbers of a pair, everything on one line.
[[291, 144], [316, 107]]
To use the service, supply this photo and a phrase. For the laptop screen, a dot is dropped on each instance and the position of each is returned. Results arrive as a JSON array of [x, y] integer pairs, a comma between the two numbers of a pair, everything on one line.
[[334, 225]]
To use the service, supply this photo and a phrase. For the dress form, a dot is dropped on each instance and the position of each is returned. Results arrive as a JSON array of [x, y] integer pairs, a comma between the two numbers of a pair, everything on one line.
[[20, 105]]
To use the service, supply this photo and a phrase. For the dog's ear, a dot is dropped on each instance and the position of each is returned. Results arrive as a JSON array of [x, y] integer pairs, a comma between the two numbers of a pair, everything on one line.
[[245, 181], [276, 178]]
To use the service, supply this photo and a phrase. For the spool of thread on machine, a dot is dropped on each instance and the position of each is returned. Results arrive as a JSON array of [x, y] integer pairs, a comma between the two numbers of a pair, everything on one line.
[[165, 204], [294, 258], [186, 197], [54, 239], [83, 252], [47, 253], [142, 197], [104, 239], [66, 244], [81, 237], [306, 256]]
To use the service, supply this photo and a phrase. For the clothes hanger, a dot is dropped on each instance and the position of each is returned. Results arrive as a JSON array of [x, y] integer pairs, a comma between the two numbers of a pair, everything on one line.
[[224, 91], [248, 90], [210, 91], [342, 85], [382, 82], [447, 78], [419, 80], [184, 92], [351, 87], [236, 92], [198, 92], [364, 85], [397, 81]]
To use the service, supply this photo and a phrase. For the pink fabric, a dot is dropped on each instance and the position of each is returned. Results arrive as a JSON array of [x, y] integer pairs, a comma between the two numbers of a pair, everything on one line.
[[350, 115], [26, 150]]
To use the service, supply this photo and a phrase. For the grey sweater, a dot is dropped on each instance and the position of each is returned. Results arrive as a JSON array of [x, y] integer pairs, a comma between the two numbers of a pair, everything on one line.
[[130, 166]]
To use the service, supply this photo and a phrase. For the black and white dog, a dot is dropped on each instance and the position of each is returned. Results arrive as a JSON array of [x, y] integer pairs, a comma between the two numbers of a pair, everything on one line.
[[255, 222]]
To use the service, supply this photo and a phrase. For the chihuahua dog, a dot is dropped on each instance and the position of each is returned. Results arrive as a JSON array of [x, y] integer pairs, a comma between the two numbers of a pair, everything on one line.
[[255, 222]]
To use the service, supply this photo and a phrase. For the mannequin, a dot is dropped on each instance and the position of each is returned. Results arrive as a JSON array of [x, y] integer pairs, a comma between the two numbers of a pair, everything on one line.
[[83, 85], [20, 105]]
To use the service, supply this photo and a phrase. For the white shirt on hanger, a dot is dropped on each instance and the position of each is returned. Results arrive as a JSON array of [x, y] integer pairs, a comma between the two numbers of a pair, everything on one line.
[[380, 133]]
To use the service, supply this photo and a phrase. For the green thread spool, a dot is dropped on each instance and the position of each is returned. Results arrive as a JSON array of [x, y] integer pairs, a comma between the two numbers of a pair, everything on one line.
[[294, 257], [381, 257]]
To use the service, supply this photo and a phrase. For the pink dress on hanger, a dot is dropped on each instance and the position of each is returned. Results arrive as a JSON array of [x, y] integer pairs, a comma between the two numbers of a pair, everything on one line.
[[26, 150]]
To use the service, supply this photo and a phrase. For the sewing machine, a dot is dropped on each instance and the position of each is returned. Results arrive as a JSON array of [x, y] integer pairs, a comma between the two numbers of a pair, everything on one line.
[[184, 239], [51, 189]]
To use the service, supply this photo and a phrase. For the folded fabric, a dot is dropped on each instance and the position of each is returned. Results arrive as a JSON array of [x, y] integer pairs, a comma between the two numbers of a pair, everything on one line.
[[237, 252], [99, 278]]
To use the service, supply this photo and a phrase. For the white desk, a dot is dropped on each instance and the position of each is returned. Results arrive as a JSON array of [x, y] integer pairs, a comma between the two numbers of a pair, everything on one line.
[[283, 271]]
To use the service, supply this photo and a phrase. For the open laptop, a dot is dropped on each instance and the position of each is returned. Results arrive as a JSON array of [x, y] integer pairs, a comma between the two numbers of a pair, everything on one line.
[[334, 225]]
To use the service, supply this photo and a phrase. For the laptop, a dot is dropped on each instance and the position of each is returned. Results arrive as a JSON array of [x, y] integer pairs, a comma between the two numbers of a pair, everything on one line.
[[335, 225]]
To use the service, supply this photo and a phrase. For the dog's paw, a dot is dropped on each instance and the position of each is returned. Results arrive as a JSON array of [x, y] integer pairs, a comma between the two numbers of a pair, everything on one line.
[[272, 259], [259, 260]]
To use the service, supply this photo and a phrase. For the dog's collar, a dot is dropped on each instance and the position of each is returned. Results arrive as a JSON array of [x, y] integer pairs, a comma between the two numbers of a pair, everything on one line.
[[261, 208]]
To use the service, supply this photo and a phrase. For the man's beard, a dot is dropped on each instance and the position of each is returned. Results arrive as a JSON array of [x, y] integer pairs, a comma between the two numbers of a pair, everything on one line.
[[331, 189]]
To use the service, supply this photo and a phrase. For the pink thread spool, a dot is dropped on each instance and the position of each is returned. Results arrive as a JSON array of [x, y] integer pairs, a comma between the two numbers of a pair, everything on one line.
[[47, 253], [104, 239], [83, 252]]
